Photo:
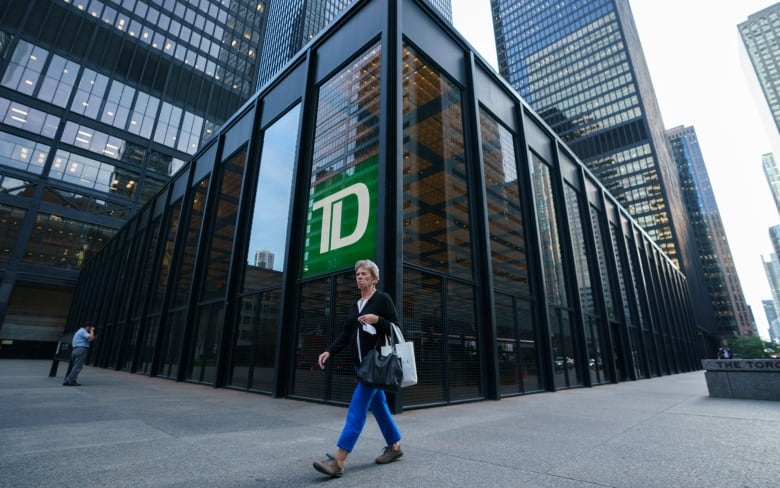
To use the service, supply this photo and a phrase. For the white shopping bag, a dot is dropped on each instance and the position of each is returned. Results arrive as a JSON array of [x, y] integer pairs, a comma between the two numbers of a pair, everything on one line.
[[404, 350]]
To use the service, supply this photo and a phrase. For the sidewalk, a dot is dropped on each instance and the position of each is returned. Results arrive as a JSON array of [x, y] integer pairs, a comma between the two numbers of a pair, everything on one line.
[[123, 430]]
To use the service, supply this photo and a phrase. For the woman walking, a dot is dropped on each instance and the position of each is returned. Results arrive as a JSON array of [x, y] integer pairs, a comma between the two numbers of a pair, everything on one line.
[[368, 320]]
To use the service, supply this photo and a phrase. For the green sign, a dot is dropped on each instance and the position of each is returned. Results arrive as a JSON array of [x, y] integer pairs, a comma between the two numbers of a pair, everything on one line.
[[341, 220]]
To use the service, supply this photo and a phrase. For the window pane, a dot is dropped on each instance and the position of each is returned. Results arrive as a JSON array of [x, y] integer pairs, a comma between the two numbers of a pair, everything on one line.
[[437, 228], [11, 219], [65, 243], [23, 154], [89, 94], [24, 68], [266, 253], [341, 217], [58, 83], [505, 219]]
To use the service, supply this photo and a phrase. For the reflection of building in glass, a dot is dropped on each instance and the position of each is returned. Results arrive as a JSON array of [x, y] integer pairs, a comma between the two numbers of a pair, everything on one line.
[[101, 103], [293, 23], [580, 65], [513, 269], [264, 259], [716, 264]]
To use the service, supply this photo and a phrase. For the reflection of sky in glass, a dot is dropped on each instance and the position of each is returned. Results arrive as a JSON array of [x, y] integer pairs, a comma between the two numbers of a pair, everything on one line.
[[272, 206]]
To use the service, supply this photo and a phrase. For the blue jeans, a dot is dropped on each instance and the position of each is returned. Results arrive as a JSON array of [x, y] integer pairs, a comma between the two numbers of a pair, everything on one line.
[[364, 398], [77, 358]]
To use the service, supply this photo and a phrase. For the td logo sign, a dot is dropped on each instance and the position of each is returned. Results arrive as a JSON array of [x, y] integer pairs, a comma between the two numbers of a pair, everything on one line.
[[341, 221]]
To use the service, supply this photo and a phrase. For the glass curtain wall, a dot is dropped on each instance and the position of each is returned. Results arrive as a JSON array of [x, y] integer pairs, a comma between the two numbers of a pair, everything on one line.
[[253, 357], [210, 300], [588, 297], [567, 371], [174, 323], [439, 289], [516, 335], [346, 148]]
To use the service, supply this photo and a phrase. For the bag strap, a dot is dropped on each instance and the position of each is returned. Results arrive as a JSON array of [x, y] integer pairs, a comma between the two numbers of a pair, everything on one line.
[[392, 339]]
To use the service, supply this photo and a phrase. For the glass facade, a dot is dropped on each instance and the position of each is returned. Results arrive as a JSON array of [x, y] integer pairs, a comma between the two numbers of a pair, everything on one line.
[[716, 263], [759, 36], [101, 103], [512, 268], [580, 65], [293, 23]]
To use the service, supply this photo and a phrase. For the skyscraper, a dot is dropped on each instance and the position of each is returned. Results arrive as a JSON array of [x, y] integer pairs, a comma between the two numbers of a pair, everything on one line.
[[716, 264], [772, 177], [580, 65], [760, 33], [101, 102], [293, 23]]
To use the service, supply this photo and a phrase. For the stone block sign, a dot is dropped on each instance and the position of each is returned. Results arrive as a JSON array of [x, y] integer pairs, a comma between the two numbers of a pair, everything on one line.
[[749, 379]]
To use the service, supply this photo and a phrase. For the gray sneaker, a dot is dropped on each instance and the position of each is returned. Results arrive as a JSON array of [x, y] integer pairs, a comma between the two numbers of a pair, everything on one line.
[[330, 467], [389, 454]]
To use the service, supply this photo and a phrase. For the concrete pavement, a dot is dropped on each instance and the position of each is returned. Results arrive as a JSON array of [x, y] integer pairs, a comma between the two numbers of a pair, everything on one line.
[[123, 430]]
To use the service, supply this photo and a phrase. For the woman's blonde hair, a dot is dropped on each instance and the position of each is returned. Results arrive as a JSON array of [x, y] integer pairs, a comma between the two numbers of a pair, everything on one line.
[[370, 266]]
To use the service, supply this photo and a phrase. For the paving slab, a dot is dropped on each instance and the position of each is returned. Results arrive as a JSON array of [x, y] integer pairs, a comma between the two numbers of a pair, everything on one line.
[[127, 430]]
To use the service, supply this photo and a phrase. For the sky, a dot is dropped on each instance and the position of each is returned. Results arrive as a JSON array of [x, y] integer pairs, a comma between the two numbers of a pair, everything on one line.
[[692, 49]]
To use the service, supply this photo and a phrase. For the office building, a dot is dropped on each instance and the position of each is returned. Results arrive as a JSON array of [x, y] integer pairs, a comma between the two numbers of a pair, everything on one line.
[[772, 175], [773, 320], [759, 34], [512, 268], [715, 266], [293, 23], [580, 65], [101, 102]]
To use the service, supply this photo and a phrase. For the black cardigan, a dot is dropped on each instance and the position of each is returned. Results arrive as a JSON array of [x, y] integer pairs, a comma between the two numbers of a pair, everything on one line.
[[379, 304]]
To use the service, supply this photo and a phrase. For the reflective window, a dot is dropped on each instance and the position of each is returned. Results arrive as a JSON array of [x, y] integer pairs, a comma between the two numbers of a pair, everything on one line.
[[117, 108], [144, 113], [220, 240], [25, 67], [584, 273], [548, 232], [190, 247], [89, 94], [505, 218], [64, 243], [85, 203], [150, 187], [436, 218], [191, 128], [58, 83], [267, 249], [602, 260], [23, 154], [174, 214], [86, 172], [27, 118], [16, 187], [94, 140], [11, 219], [168, 125], [219, 245], [342, 206]]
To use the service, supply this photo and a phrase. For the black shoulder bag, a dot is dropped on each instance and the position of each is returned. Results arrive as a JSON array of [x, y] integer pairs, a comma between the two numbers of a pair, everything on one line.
[[382, 372]]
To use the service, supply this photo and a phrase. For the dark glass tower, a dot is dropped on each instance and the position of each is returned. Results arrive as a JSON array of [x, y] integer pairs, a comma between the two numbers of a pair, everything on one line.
[[101, 102], [293, 23], [580, 65], [716, 263]]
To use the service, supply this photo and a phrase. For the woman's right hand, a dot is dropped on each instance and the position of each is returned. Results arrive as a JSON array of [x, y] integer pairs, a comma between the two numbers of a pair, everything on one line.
[[323, 357]]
